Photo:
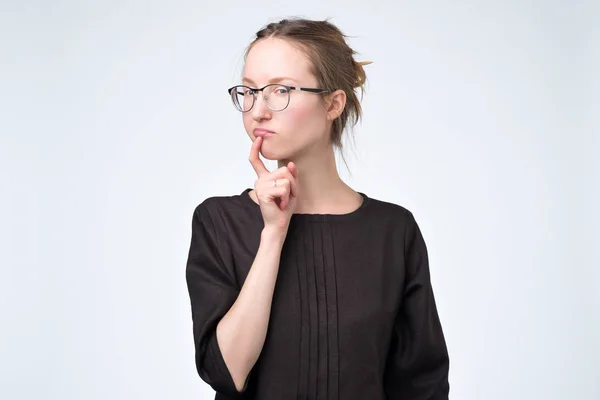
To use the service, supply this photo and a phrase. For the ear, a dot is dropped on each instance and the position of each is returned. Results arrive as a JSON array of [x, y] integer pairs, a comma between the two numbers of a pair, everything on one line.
[[335, 104]]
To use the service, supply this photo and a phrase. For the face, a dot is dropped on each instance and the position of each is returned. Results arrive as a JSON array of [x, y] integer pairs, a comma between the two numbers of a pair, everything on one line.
[[305, 123]]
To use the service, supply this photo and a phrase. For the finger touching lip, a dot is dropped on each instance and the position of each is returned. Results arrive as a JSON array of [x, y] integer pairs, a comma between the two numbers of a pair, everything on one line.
[[262, 132]]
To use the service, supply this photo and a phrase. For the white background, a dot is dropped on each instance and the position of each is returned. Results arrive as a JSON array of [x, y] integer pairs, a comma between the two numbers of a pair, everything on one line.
[[481, 117]]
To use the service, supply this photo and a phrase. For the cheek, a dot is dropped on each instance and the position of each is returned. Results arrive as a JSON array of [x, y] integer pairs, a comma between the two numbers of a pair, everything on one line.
[[309, 118], [303, 111]]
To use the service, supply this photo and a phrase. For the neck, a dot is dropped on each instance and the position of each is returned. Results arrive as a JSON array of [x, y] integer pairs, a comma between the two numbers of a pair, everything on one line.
[[320, 188]]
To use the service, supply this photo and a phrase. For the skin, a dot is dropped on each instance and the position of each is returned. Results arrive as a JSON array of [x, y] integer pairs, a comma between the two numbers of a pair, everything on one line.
[[302, 134], [307, 182]]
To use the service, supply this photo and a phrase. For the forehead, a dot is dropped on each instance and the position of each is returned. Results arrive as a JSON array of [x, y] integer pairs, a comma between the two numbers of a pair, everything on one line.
[[272, 58]]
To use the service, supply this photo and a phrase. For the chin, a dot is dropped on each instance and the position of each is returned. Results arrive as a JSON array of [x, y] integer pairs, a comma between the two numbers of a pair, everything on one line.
[[275, 154], [272, 155]]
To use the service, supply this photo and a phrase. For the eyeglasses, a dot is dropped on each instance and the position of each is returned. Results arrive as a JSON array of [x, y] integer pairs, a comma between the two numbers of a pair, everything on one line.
[[275, 95]]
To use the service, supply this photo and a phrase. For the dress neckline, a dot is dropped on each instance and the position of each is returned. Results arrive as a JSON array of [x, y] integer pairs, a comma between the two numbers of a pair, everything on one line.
[[312, 217]]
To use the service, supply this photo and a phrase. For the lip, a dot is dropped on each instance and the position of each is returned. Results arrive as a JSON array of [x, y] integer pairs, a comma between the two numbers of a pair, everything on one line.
[[259, 132]]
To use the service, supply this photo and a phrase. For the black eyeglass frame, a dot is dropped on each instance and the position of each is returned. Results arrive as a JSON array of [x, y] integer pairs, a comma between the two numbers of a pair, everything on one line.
[[256, 90]]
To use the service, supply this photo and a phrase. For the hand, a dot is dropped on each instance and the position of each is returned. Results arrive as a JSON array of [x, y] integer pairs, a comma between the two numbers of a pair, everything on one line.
[[277, 202]]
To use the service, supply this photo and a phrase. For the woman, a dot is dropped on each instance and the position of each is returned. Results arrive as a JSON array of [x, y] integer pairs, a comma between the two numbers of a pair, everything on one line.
[[303, 288]]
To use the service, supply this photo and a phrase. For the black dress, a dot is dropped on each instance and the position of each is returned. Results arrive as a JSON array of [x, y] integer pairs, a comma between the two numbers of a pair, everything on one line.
[[353, 313]]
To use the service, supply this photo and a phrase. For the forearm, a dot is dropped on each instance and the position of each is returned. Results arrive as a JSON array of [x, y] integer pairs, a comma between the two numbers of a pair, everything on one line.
[[242, 331]]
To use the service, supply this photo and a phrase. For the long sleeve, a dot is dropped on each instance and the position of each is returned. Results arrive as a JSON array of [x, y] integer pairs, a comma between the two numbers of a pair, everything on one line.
[[212, 292], [418, 361]]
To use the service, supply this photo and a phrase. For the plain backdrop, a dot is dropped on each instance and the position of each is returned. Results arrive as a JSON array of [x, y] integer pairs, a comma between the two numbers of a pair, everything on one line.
[[481, 117]]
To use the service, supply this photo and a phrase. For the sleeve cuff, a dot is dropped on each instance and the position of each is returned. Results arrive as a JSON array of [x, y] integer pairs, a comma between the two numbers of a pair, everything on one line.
[[220, 378]]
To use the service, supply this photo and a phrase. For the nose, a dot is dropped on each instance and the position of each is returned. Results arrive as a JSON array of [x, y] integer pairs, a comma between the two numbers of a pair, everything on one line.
[[260, 111]]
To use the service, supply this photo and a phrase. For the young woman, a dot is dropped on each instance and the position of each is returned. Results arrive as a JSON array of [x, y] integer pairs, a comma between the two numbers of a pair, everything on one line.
[[303, 288]]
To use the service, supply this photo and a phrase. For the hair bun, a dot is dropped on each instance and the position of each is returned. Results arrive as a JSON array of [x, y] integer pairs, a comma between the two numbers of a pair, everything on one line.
[[361, 76]]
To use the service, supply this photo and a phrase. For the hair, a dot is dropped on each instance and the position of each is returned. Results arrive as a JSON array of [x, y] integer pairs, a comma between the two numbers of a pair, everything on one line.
[[332, 60]]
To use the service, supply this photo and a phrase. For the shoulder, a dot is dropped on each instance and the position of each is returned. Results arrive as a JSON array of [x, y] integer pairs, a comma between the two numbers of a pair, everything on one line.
[[399, 223], [224, 212], [392, 213], [216, 205]]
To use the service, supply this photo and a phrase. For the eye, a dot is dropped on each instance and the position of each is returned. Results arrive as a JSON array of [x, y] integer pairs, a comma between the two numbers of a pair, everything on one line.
[[281, 90], [249, 92]]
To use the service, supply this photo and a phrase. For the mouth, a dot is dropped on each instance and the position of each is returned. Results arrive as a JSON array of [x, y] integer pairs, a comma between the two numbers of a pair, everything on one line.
[[258, 132]]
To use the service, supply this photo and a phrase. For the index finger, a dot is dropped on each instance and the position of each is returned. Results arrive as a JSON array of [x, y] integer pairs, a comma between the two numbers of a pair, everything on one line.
[[257, 164]]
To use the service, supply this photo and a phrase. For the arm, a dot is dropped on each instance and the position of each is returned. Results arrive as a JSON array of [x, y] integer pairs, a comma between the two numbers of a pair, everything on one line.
[[229, 325], [242, 331], [418, 363]]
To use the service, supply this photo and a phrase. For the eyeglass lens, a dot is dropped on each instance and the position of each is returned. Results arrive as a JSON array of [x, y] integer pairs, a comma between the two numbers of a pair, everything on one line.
[[277, 97]]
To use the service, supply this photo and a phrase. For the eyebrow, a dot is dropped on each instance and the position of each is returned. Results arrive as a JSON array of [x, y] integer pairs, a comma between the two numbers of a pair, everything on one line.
[[272, 80]]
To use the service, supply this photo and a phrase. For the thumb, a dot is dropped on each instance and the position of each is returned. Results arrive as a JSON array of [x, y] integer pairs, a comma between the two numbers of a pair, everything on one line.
[[293, 170]]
